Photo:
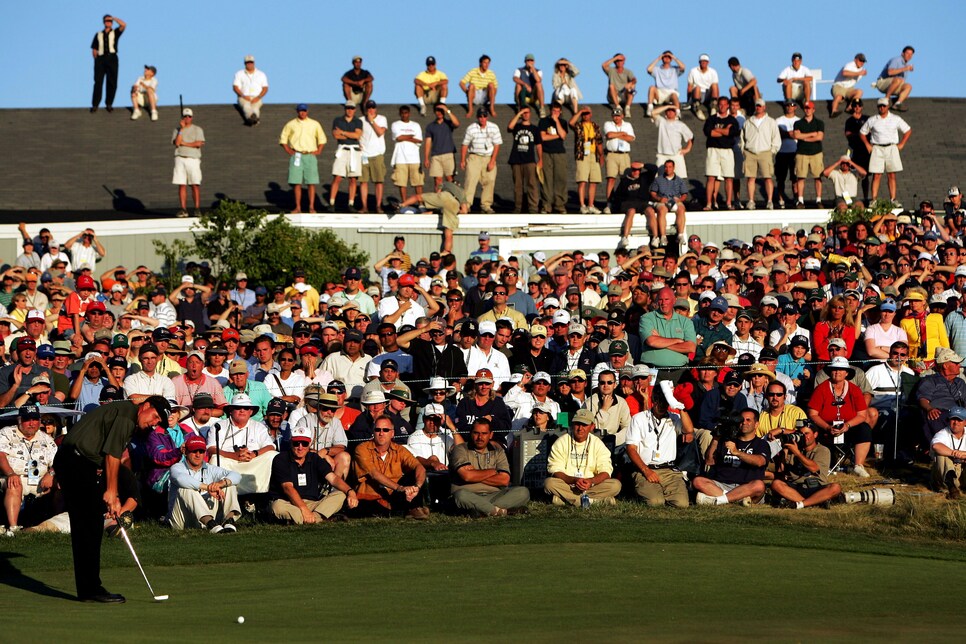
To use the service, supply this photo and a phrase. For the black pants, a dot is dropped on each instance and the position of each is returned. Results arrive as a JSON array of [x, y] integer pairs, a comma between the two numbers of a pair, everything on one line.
[[83, 496], [105, 66], [397, 502]]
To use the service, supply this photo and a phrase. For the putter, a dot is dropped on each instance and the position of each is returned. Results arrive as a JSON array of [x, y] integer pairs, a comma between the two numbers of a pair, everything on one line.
[[157, 598]]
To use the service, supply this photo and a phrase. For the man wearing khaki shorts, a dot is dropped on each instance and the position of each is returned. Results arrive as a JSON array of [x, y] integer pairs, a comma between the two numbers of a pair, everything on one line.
[[408, 136], [809, 132], [760, 141], [440, 149], [618, 135], [373, 142], [589, 152], [188, 139]]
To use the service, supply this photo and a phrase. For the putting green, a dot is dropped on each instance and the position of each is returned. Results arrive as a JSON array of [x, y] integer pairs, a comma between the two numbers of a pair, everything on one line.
[[575, 591]]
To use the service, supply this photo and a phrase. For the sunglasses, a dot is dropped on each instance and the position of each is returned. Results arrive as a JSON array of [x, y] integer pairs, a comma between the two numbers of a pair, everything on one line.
[[196, 451], [775, 394], [300, 443], [607, 382], [381, 430]]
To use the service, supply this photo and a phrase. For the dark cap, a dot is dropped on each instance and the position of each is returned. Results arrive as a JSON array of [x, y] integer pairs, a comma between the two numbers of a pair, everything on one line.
[[389, 364], [276, 406], [617, 348], [29, 412], [430, 60], [203, 400], [110, 393], [162, 406], [353, 336]]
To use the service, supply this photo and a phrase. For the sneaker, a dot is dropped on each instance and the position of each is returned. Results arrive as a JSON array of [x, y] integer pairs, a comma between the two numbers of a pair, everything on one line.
[[745, 502], [654, 242], [770, 206], [609, 500], [781, 204], [13, 530], [584, 210], [623, 242], [593, 210], [704, 499], [663, 241], [750, 205], [627, 112], [135, 115], [896, 204], [650, 109], [861, 472], [556, 500], [800, 204], [607, 210], [253, 120], [154, 115], [898, 107], [229, 527], [487, 211], [182, 214], [213, 527], [422, 110]]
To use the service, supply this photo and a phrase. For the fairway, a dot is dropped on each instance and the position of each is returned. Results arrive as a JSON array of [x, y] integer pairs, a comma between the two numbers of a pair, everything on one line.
[[540, 592]]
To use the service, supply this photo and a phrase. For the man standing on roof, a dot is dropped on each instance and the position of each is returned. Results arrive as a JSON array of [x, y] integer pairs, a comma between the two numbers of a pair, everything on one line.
[[104, 50]]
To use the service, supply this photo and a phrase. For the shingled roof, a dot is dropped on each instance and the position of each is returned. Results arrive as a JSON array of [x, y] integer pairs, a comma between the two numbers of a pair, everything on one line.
[[68, 164]]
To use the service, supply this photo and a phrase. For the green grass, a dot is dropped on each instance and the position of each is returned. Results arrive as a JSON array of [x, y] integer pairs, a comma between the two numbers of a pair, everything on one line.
[[610, 574]]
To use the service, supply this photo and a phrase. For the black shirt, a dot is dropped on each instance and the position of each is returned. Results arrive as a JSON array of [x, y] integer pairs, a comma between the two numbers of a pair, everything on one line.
[[554, 146], [526, 138], [723, 142], [311, 482]]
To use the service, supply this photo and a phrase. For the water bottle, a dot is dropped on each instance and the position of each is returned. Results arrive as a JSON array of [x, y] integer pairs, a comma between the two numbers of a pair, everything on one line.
[[584, 501]]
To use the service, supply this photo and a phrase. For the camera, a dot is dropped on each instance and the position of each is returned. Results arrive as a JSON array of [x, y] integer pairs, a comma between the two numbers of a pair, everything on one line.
[[797, 436], [727, 429], [875, 496]]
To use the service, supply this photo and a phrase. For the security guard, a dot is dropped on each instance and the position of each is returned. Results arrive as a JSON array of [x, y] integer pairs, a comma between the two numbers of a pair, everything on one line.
[[96, 445]]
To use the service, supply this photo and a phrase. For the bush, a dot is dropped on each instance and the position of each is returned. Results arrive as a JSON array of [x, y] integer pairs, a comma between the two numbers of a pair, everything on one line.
[[234, 237]]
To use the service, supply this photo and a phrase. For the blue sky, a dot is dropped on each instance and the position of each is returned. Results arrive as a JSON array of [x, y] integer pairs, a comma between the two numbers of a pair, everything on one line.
[[306, 47]]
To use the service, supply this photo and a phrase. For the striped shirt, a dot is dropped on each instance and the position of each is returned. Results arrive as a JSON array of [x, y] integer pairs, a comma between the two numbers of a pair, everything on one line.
[[480, 140], [479, 79]]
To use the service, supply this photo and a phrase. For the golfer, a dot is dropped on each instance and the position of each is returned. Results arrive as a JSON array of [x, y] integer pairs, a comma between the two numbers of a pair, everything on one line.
[[91, 449]]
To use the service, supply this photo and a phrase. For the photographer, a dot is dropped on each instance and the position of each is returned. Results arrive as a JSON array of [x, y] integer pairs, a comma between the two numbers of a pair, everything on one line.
[[802, 472], [737, 459], [949, 454]]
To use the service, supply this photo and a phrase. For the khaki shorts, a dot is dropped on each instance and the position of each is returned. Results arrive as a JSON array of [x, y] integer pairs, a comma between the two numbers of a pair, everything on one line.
[[345, 160], [408, 174], [616, 163], [187, 172], [809, 163], [883, 84], [759, 164], [885, 158], [588, 170], [442, 165], [431, 96], [798, 91], [843, 91], [374, 170], [720, 163]]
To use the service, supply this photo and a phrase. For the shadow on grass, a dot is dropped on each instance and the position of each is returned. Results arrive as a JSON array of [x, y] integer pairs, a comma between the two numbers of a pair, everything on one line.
[[11, 576]]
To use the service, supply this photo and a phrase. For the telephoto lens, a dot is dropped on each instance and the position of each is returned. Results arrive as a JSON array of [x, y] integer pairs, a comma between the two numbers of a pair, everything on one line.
[[875, 496]]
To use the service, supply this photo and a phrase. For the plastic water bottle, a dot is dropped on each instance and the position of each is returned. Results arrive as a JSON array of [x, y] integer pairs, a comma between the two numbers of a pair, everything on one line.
[[584, 501]]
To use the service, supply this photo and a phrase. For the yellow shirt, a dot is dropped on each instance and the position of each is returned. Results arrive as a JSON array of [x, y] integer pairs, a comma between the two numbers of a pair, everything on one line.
[[589, 143], [786, 420], [479, 79], [425, 78], [303, 136], [586, 460]]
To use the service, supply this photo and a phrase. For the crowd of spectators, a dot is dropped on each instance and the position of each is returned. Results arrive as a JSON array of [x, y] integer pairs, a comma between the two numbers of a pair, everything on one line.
[[731, 372]]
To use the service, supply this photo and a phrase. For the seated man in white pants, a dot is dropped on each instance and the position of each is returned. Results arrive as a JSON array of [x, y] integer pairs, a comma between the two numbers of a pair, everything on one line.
[[304, 489], [144, 93], [200, 494], [243, 445], [948, 455], [250, 85]]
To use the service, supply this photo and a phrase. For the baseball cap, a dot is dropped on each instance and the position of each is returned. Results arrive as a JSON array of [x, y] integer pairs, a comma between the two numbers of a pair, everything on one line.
[[617, 348]]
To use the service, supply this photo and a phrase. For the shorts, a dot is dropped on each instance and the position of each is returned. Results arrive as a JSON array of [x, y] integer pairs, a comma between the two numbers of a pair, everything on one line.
[[442, 165], [809, 163], [680, 166], [843, 91], [588, 170], [885, 158], [25, 487], [431, 96], [187, 171], [306, 172], [348, 162], [883, 84], [638, 206], [374, 170], [408, 174], [664, 95], [797, 91], [616, 163], [720, 163], [759, 164], [480, 97], [356, 97], [727, 487]]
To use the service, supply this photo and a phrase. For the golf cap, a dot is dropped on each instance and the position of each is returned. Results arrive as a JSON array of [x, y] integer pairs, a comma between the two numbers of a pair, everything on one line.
[[187, 112], [583, 417], [195, 442], [29, 412], [957, 412]]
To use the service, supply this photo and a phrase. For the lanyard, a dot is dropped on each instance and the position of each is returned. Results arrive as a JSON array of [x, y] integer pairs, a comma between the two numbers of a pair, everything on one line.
[[583, 456]]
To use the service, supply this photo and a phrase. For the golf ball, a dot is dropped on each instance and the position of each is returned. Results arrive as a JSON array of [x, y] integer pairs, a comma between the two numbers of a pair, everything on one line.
[[241, 620]]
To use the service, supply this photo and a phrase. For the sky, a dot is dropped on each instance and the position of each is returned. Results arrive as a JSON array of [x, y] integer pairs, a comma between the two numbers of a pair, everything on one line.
[[304, 48]]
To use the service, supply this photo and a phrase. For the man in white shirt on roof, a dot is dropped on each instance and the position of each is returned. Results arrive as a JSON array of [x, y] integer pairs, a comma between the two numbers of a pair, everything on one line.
[[250, 85]]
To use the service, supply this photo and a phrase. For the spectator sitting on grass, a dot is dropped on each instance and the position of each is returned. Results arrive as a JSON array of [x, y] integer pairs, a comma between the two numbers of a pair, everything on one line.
[[481, 476], [390, 477], [202, 494]]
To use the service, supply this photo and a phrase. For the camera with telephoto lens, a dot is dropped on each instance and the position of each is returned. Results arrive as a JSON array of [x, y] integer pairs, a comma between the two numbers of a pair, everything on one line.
[[874, 496], [797, 436], [727, 429]]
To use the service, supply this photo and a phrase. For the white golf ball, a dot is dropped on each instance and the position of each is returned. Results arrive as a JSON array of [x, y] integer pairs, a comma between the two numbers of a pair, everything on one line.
[[241, 620]]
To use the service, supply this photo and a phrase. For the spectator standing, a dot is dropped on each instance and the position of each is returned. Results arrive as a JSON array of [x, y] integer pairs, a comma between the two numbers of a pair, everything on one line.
[[722, 132], [553, 135], [440, 149], [526, 156], [104, 50], [589, 154], [674, 140], [880, 134], [250, 85], [188, 139], [618, 136], [408, 136], [760, 141], [482, 143], [809, 132], [346, 130], [302, 139], [373, 143]]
